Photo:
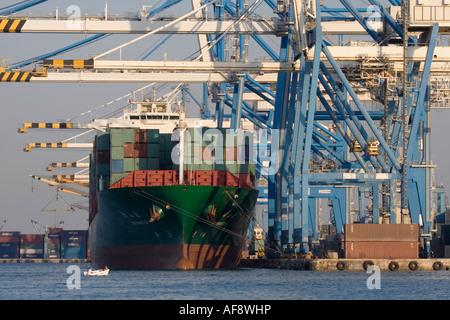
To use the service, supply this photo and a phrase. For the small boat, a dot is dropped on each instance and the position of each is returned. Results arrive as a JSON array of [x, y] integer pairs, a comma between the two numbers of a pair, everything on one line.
[[102, 272]]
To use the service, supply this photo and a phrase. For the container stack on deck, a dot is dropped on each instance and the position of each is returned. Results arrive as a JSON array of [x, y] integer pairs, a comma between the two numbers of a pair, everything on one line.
[[9, 245], [74, 244], [382, 241], [32, 246], [54, 243], [130, 157]]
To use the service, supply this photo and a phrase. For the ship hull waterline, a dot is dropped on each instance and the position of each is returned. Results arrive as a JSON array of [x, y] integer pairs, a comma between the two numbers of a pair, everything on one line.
[[171, 227]]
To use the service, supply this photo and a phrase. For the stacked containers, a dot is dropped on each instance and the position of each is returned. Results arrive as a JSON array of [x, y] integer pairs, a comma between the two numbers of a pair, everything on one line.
[[445, 240], [132, 149], [165, 151], [147, 154], [9, 245], [233, 153], [32, 246], [382, 241], [74, 244], [54, 243]]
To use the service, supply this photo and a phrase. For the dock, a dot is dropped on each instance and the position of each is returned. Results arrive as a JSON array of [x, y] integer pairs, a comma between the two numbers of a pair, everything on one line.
[[348, 264]]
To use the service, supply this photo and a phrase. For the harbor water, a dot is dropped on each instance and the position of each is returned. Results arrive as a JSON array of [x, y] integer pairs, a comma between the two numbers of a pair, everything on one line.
[[62, 281]]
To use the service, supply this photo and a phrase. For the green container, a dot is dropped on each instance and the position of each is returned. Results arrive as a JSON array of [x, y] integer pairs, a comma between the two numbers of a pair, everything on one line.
[[165, 157], [103, 141], [117, 176], [167, 144], [129, 135], [153, 150], [153, 136], [116, 138], [141, 164], [103, 169], [117, 153], [204, 166], [152, 163], [232, 167], [129, 164]]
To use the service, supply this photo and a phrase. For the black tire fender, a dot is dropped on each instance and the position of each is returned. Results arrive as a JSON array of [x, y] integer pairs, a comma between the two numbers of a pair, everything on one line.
[[367, 263], [437, 265], [393, 266], [413, 265], [341, 265]]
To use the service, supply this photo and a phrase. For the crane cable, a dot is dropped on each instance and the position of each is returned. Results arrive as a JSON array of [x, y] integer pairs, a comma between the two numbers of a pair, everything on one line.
[[187, 213]]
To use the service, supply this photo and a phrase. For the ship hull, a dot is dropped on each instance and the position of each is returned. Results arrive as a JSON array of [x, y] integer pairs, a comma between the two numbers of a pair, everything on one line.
[[170, 227]]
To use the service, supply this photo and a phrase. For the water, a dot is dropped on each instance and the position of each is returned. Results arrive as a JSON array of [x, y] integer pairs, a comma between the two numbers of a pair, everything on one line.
[[26, 281]]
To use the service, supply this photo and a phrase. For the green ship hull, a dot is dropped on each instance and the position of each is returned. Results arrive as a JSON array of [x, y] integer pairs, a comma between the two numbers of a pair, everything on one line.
[[171, 227]]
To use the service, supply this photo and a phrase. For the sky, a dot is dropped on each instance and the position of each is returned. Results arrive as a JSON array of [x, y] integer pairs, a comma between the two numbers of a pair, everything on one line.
[[21, 199]]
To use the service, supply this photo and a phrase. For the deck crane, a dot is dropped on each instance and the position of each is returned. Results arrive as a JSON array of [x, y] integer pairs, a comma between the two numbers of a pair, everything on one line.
[[315, 77], [39, 228], [2, 224]]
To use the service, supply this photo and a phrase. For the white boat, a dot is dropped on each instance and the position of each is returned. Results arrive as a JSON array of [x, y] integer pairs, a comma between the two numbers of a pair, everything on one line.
[[103, 272]]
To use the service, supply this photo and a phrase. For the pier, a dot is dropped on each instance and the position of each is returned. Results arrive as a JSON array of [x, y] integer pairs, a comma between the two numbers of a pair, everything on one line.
[[391, 265]]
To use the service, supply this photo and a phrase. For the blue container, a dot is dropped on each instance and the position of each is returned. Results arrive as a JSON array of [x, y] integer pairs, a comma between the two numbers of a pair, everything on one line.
[[72, 238], [9, 250], [117, 166], [73, 253]]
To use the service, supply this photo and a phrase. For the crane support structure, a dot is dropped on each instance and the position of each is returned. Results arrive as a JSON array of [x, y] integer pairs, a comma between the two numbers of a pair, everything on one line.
[[343, 96]]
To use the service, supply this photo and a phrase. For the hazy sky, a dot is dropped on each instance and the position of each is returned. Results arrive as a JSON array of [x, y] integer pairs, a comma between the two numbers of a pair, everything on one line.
[[31, 102]]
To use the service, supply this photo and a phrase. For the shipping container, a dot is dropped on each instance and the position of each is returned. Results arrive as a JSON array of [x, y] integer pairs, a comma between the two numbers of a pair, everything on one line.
[[9, 250], [55, 230], [128, 135], [102, 141], [117, 166], [446, 251], [74, 253], [32, 239], [382, 249], [117, 153], [381, 232], [9, 239]]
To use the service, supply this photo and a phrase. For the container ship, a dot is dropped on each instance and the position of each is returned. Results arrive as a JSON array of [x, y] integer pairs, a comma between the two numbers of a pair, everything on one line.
[[161, 200]]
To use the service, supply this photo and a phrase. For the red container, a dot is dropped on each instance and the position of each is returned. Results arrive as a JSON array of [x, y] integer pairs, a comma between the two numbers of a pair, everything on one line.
[[54, 230], [230, 153], [382, 249], [128, 150], [32, 238], [140, 135], [103, 156], [245, 180], [140, 150], [207, 153], [154, 182], [232, 180], [7, 239], [381, 232]]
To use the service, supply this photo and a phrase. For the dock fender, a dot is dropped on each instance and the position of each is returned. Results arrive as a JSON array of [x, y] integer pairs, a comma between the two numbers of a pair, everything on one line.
[[393, 266], [437, 265], [367, 263], [413, 265], [341, 265]]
